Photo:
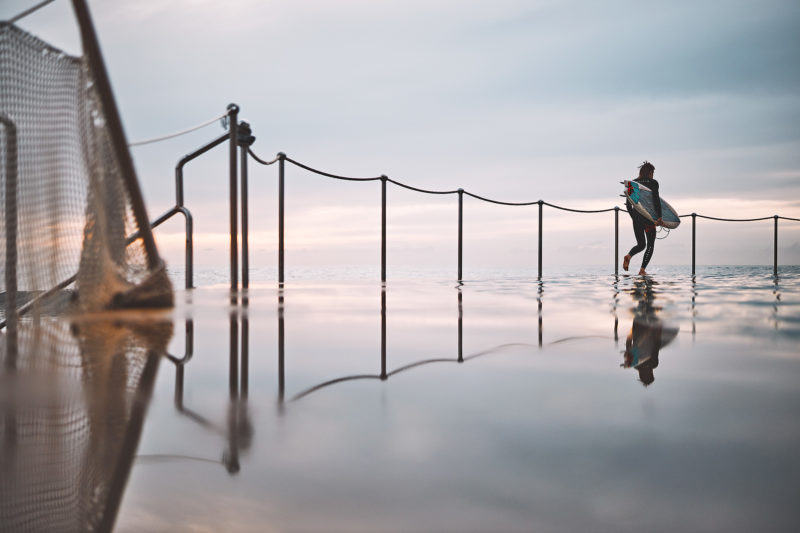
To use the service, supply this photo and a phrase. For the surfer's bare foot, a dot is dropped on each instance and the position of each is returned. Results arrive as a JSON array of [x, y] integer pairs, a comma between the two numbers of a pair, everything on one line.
[[642, 272], [625, 262]]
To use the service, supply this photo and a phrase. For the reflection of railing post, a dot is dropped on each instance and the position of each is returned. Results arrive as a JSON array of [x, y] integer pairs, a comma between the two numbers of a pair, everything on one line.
[[775, 250], [281, 164], [233, 359], [540, 295], [540, 238], [244, 377], [616, 240], [460, 230], [281, 347], [694, 217], [383, 333], [233, 114], [383, 227], [460, 327]]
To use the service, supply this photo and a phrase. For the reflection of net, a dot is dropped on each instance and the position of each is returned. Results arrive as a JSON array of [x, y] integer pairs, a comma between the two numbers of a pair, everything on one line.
[[74, 211], [71, 411]]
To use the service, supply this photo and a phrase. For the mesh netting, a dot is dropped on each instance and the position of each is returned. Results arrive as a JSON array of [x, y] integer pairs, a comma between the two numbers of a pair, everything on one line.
[[72, 403], [73, 210]]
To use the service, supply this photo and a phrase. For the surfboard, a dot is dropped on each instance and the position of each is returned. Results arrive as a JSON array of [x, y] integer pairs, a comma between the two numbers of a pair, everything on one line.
[[641, 198]]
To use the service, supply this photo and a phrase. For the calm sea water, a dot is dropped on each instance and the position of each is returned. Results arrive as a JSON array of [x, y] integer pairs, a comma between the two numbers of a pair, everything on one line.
[[580, 403]]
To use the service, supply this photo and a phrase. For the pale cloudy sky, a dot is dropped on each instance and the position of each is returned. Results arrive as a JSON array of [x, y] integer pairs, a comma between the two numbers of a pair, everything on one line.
[[513, 100]]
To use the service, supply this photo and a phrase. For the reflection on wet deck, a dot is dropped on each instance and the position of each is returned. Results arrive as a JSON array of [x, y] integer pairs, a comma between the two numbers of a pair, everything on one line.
[[436, 406]]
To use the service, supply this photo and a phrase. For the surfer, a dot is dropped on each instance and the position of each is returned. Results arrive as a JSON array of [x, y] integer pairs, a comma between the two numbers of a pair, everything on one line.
[[643, 229]]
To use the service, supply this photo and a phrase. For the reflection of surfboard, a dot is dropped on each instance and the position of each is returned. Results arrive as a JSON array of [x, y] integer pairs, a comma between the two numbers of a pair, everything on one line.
[[641, 198]]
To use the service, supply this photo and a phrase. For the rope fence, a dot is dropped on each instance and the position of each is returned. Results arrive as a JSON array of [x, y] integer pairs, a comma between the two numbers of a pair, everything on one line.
[[281, 158], [242, 137]]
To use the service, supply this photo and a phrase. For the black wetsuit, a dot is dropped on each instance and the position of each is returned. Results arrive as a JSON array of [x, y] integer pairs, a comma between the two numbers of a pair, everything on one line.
[[643, 229]]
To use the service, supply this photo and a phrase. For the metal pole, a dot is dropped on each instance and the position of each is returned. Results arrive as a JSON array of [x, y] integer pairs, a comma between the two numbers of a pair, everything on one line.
[[179, 202], [460, 230], [383, 227], [233, 115], [119, 143], [245, 245], [188, 157], [775, 249], [694, 217], [11, 240], [189, 249], [540, 238], [616, 240], [281, 161]]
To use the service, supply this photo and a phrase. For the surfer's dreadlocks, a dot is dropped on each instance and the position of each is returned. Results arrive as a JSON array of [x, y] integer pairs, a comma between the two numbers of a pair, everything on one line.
[[646, 168]]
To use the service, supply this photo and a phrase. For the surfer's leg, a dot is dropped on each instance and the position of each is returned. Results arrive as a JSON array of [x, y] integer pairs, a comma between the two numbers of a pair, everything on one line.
[[638, 231], [650, 232]]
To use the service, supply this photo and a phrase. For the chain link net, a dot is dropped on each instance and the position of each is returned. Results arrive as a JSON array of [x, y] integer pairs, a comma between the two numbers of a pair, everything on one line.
[[74, 213]]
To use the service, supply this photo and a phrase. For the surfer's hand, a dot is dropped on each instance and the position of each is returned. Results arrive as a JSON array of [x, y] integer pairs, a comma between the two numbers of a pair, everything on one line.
[[660, 221]]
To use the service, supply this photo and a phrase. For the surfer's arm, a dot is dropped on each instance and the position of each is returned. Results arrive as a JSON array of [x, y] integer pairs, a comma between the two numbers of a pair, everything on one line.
[[656, 202]]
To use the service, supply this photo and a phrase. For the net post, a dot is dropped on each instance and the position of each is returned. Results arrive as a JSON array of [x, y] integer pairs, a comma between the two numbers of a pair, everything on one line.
[[383, 227], [541, 204], [233, 116], [460, 232], [10, 222], [91, 48], [616, 240], [281, 169], [775, 248], [694, 217]]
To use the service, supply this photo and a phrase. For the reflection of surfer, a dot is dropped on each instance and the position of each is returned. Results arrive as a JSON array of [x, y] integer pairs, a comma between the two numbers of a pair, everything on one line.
[[641, 349], [648, 333], [643, 229]]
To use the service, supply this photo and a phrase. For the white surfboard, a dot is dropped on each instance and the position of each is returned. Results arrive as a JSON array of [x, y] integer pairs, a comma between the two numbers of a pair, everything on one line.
[[641, 198]]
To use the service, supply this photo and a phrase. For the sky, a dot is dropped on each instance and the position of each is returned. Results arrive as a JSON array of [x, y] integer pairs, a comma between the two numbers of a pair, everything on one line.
[[512, 100]]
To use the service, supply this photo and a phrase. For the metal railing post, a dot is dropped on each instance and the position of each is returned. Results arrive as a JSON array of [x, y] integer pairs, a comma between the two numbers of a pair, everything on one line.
[[694, 217], [281, 169], [233, 114], [775, 249], [541, 203], [245, 247], [245, 139], [616, 240], [383, 227], [460, 231], [180, 205]]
